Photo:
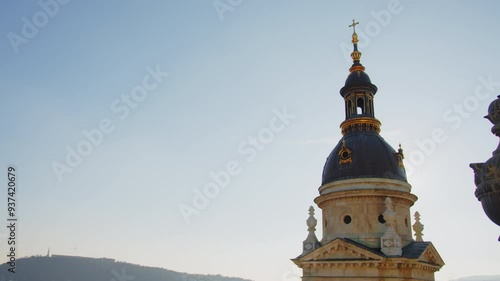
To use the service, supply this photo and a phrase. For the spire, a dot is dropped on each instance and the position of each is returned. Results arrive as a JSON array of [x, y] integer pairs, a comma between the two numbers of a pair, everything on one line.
[[418, 228], [358, 93], [311, 243], [355, 55]]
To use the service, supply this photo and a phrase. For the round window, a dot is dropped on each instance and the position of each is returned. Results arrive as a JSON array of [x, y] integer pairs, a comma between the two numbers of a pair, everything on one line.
[[344, 155], [347, 219], [381, 218]]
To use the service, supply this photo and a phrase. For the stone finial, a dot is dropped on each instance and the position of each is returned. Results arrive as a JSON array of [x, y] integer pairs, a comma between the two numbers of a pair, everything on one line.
[[389, 214], [311, 243], [418, 228], [390, 242], [311, 221]]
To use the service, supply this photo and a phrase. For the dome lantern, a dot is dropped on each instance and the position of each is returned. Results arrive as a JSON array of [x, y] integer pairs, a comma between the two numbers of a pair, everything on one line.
[[362, 152]]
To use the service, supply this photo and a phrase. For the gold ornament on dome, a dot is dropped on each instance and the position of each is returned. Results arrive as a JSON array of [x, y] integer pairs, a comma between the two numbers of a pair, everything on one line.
[[345, 154]]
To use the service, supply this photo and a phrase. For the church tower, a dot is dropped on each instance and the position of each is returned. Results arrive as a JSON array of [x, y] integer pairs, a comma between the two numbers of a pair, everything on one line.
[[365, 201]]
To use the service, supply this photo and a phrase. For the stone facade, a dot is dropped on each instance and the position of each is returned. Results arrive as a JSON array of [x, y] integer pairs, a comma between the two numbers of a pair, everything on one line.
[[342, 259]]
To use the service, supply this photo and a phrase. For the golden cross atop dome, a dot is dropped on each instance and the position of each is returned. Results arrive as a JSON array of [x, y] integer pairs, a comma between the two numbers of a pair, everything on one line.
[[353, 25], [355, 55]]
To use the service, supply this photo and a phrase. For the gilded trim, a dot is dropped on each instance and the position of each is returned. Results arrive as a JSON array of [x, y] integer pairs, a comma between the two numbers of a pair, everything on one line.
[[360, 124]]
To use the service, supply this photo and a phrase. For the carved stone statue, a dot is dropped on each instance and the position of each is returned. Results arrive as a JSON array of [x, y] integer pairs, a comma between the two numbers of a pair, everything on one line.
[[487, 174]]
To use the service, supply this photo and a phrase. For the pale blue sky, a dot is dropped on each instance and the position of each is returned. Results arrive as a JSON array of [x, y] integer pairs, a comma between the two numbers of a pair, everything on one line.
[[225, 79]]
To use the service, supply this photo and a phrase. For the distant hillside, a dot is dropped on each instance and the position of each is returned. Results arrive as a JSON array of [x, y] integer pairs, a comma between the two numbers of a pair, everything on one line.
[[68, 268], [480, 278]]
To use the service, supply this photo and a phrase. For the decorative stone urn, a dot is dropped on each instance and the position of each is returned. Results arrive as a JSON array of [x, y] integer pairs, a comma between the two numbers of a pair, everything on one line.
[[487, 174]]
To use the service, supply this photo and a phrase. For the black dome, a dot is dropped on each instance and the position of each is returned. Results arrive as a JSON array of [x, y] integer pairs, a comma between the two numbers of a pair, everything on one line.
[[371, 157], [356, 79]]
